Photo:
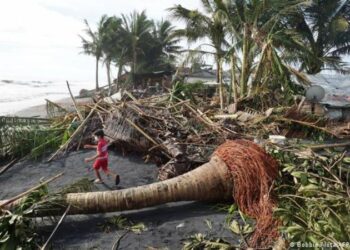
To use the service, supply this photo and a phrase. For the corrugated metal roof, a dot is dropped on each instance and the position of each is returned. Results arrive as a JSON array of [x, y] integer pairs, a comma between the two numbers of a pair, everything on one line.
[[337, 88]]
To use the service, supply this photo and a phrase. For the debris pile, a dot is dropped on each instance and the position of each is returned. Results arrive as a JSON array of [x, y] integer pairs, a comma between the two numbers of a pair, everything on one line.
[[181, 132]]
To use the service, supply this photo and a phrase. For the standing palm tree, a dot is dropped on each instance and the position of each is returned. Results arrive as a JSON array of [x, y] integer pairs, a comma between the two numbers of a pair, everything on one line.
[[137, 36], [205, 25], [166, 42], [325, 30], [260, 38], [93, 44], [111, 43]]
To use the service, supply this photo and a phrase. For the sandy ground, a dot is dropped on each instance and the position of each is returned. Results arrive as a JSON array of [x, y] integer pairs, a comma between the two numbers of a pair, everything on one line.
[[167, 225]]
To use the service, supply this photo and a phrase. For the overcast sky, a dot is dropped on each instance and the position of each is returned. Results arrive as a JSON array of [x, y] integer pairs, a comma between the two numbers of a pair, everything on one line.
[[39, 38]]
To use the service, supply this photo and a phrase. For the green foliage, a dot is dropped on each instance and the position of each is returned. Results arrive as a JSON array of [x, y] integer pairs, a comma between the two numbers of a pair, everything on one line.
[[19, 141], [231, 210], [200, 241], [17, 231], [80, 186], [185, 91], [314, 203], [121, 223], [133, 40], [33, 140], [323, 29]]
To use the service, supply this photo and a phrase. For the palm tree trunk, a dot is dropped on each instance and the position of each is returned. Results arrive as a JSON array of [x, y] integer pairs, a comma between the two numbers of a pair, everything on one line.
[[245, 61], [233, 82], [97, 61], [210, 182], [134, 62], [221, 85], [259, 69], [217, 69], [108, 67], [120, 69]]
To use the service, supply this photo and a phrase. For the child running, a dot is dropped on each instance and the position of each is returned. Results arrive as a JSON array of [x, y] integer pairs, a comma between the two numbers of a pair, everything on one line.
[[101, 158]]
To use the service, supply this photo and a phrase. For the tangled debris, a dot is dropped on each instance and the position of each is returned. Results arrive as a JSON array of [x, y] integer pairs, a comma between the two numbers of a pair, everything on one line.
[[180, 134]]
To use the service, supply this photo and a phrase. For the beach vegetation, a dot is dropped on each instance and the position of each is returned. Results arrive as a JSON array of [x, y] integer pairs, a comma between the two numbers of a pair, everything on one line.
[[32, 140]]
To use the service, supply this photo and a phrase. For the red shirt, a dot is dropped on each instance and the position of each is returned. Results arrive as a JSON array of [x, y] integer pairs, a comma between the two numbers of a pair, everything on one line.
[[102, 147]]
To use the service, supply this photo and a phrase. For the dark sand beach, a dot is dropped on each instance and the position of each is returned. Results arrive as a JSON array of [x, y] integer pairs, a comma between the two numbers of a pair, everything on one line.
[[167, 225]]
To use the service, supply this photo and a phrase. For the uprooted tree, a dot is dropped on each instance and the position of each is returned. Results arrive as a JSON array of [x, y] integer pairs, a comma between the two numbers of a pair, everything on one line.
[[238, 169]]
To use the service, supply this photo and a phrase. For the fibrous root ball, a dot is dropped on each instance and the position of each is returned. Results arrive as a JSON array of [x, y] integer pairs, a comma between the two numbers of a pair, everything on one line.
[[253, 172]]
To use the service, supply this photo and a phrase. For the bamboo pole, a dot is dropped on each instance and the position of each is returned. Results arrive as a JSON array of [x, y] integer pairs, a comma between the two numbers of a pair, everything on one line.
[[6, 167], [140, 112], [132, 97], [55, 229], [211, 124], [307, 124], [148, 137], [334, 145], [17, 197], [56, 105], [74, 102]]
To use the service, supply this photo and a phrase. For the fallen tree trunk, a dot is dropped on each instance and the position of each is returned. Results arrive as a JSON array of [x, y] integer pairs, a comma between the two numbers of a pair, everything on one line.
[[238, 169], [210, 182]]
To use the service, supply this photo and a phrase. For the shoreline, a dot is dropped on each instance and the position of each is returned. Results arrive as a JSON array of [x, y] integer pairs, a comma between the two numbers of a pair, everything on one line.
[[41, 112]]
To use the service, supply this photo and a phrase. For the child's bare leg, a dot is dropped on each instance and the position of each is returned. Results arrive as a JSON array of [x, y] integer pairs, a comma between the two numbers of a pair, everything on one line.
[[110, 173], [98, 175], [115, 176]]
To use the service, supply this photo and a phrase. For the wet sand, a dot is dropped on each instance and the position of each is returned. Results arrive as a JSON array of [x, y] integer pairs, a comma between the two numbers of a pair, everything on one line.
[[167, 225]]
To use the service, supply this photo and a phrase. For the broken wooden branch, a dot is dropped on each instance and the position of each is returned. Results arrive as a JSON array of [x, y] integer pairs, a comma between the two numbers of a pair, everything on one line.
[[7, 166], [59, 107], [333, 145], [147, 136], [74, 102], [56, 228], [132, 97], [17, 197], [307, 124]]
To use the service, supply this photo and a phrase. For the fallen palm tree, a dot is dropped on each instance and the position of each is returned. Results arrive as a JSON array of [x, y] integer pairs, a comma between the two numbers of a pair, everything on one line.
[[238, 169]]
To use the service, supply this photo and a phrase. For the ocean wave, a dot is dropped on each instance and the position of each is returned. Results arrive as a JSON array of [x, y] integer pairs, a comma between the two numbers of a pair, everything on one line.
[[29, 97], [28, 83]]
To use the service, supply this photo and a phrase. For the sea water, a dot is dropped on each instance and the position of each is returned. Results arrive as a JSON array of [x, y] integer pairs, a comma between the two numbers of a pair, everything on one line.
[[19, 95]]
